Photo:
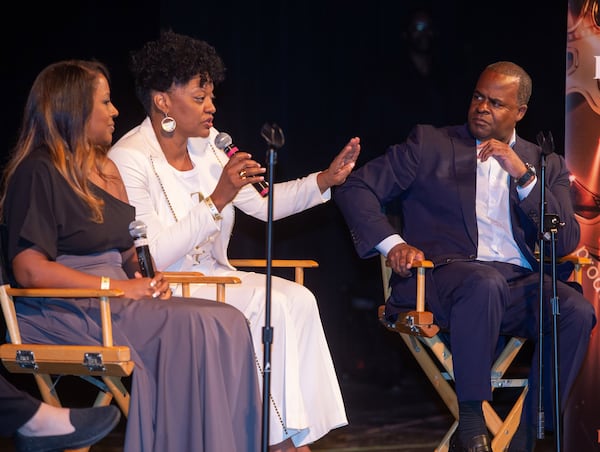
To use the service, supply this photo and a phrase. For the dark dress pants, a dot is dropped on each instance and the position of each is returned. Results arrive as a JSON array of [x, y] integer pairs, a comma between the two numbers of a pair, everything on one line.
[[16, 407], [484, 300]]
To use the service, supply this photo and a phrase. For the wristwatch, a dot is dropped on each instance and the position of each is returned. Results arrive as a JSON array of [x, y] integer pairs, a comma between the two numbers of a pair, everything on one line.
[[529, 174]]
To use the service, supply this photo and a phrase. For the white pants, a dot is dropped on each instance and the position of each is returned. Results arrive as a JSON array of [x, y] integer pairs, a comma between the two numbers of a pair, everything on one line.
[[306, 400]]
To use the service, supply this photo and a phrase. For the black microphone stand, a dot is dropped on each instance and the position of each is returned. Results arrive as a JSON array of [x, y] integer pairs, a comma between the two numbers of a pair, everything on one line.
[[275, 140], [549, 224]]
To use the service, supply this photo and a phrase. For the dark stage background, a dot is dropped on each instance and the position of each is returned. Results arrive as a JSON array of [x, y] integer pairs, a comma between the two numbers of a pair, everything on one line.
[[309, 66]]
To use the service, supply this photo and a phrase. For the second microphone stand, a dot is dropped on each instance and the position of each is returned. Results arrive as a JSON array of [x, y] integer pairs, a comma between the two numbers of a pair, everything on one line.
[[549, 225], [275, 140]]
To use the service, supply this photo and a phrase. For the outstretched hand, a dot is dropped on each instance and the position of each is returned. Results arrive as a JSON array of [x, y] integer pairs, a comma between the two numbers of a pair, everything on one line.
[[341, 166]]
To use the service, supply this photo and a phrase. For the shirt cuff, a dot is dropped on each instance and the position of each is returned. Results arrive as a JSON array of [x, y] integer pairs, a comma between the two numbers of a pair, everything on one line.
[[388, 243], [523, 192]]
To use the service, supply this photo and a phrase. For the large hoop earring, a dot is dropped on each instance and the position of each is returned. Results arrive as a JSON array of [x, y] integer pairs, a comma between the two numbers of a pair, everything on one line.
[[168, 124]]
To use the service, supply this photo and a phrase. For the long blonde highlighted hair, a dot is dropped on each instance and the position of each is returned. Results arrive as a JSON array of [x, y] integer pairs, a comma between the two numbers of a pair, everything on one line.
[[58, 108]]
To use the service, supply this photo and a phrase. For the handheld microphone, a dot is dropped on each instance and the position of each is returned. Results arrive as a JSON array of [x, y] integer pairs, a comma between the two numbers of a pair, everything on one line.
[[137, 230], [224, 142]]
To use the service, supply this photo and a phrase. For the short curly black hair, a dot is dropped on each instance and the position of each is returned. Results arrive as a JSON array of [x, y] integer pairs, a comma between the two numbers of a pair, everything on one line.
[[173, 59]]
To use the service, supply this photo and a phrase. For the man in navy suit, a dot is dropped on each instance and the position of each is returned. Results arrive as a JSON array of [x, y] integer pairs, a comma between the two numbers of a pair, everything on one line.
[[470, 199]]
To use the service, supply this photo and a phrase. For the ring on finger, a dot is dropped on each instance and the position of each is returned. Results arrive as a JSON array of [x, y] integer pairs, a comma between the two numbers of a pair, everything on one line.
[[242, 174]]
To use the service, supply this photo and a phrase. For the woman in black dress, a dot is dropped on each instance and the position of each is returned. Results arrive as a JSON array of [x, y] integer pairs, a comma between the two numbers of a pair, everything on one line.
[[194, 386]]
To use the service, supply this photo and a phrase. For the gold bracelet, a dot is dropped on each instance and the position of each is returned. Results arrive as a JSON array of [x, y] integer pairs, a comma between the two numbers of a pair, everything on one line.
[[105, 283], [213, 209]]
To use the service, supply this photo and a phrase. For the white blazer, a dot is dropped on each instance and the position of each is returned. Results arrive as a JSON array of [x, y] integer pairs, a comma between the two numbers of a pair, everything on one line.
[[194, 240]]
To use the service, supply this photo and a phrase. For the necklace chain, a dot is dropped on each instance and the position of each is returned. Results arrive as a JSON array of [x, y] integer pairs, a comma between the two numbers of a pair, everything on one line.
[[162, 187], [271, 395], [216, 155]]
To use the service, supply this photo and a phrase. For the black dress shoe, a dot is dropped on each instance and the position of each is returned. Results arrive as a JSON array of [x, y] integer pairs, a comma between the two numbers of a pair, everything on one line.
[[479, 443], [91, 425]]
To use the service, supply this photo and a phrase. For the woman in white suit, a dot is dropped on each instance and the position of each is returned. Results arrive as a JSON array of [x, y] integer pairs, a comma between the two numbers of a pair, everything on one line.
[[185, 189]]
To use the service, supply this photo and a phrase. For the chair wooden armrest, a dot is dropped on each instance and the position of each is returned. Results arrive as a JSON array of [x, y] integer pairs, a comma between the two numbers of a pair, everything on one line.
[[297, 264], [578, 261], [108, 361], [187, 278], [103, 295], [417, 322]]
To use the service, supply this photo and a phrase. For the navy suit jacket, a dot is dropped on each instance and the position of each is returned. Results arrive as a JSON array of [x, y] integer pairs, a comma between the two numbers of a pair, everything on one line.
[[434, 174]]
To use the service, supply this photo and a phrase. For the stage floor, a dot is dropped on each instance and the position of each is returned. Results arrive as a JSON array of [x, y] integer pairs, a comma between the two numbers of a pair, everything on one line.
[[408, 417]]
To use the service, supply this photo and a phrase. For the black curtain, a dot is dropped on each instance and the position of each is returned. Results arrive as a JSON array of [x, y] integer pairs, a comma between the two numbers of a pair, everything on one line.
[[307, 66]]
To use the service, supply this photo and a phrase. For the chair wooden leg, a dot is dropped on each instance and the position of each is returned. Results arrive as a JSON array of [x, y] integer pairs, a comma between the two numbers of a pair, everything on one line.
[[444, 445], [506, 431], [503, 430], [46, 388], [431, 369], [103, 398], [441, 385], [119, 392]]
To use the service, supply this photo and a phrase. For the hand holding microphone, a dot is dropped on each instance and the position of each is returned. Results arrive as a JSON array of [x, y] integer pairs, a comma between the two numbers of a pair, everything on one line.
[[159, 287], [137, 230], [224, 142]]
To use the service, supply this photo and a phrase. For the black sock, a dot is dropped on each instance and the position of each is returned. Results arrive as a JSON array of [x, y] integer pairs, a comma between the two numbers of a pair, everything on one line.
[[470, 420]]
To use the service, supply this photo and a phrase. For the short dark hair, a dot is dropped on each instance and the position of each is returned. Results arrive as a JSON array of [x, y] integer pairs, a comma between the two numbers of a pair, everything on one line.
[[514, 70], [173, 59]]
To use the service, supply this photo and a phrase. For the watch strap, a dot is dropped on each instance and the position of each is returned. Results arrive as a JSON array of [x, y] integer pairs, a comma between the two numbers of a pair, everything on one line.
[[529, 174]]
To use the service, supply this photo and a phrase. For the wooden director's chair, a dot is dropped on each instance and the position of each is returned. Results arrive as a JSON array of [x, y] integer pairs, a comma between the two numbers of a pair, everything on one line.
[[422, 337], [103, 366]]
